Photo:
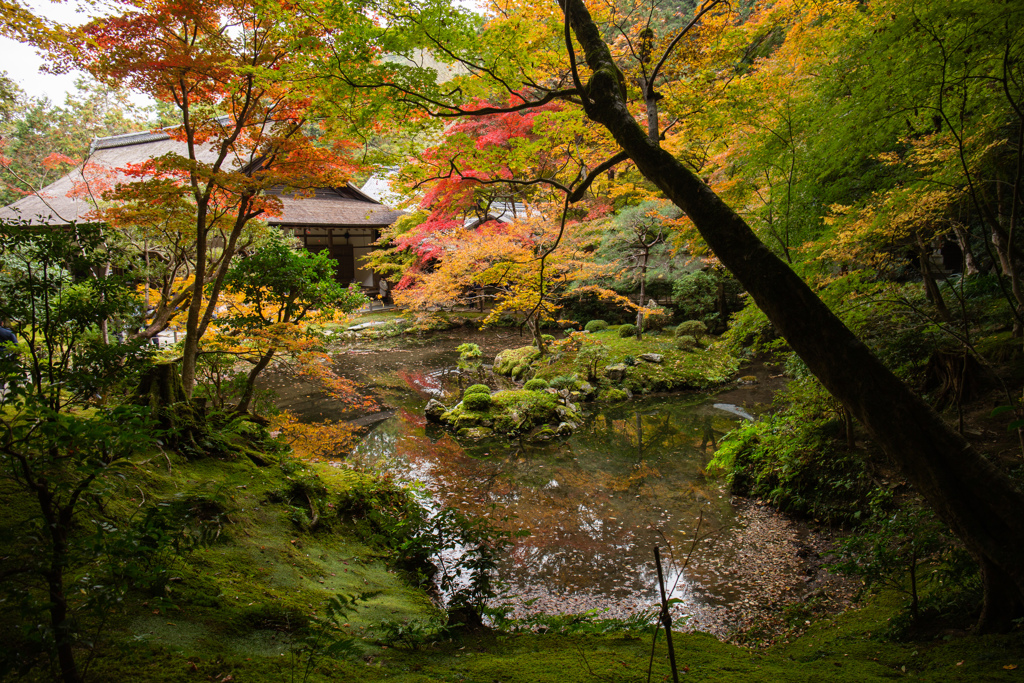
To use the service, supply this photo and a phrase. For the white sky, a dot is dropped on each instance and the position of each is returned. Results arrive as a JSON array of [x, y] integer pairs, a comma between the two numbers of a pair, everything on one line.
[[22, 64]]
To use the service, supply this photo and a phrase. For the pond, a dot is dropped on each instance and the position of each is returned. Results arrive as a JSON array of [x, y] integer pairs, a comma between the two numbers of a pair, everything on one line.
[[596, 504]]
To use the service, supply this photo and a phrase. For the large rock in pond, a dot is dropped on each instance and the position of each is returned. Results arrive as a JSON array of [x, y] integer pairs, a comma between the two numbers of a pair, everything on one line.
[[513, 412]]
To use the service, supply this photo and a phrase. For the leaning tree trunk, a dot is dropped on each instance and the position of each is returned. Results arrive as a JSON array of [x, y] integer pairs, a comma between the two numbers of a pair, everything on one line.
[[250, 381], [980, 503]]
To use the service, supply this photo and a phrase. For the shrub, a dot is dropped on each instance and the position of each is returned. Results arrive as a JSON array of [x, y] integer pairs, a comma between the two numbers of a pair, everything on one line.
[[691, 328], [595, 326], [627, 330], [629, 361], [687, 343], [468, 351], [547, 338], [477, 402], [477, 389], [536, 385], [565, 382]]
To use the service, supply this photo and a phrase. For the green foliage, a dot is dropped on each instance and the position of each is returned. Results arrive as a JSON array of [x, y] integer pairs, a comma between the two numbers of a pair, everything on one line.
[[627, 330], [595, 326], [691, 328], [324, 636], [749, 328], [795, 459], [906, 547], [410, 633], [477, 389], [536, 385], [477, 401], [586, 623], [696, 296], [469, 351], [49, 298], [591, 354], [570, 382], [281, 284]]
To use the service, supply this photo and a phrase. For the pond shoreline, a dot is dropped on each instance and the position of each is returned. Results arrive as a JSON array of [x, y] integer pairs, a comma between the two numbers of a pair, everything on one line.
[[777, 559]]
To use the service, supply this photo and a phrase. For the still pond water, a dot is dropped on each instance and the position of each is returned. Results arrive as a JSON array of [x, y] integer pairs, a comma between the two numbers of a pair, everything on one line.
[[595, 504]]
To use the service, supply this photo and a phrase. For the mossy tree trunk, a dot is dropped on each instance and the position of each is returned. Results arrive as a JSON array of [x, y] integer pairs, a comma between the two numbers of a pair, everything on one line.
[[162, 391], [980, 503]]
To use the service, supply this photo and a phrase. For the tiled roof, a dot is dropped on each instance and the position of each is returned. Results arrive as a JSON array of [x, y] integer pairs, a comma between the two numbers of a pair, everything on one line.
[[345, 206]]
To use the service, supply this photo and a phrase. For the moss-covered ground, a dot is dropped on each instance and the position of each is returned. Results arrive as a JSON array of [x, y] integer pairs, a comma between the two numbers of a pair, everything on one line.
[[680, 369], [232, 609]]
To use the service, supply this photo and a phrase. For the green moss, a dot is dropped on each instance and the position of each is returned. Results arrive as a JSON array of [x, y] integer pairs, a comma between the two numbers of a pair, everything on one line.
[[613, 395], [679, 370], [511, 412], [508, 360], [477, 389], [477, 402], [536, 384]]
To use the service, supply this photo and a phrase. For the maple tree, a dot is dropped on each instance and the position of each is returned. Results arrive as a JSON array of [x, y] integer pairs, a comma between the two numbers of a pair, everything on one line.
[[233, 71]]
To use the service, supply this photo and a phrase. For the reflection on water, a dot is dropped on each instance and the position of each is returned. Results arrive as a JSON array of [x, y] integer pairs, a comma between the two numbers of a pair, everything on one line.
[[596, 504]]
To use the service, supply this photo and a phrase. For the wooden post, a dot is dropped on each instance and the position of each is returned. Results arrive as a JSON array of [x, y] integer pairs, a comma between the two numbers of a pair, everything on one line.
[[666, 618]]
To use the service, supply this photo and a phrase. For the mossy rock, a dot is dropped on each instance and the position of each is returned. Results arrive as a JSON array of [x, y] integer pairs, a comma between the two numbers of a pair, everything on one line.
[[512, 412], [477, 389], [613, 395], [509, 360], [536, 385], [595, 326], [476, 433], [477, 402]]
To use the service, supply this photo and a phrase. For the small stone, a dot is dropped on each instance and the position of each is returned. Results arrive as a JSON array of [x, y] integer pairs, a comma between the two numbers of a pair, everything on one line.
[[616, 372], [434, 410], [652, 357]]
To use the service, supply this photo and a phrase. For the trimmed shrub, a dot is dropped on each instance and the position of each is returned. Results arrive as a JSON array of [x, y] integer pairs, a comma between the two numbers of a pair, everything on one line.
[[536, 385], [477, 389], [564, 382], [691, 328], [595, 326], [687, 343], [477, 402], [627, 330]]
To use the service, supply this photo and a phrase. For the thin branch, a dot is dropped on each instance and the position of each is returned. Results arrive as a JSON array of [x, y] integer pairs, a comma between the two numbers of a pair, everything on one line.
[[707, 7]]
